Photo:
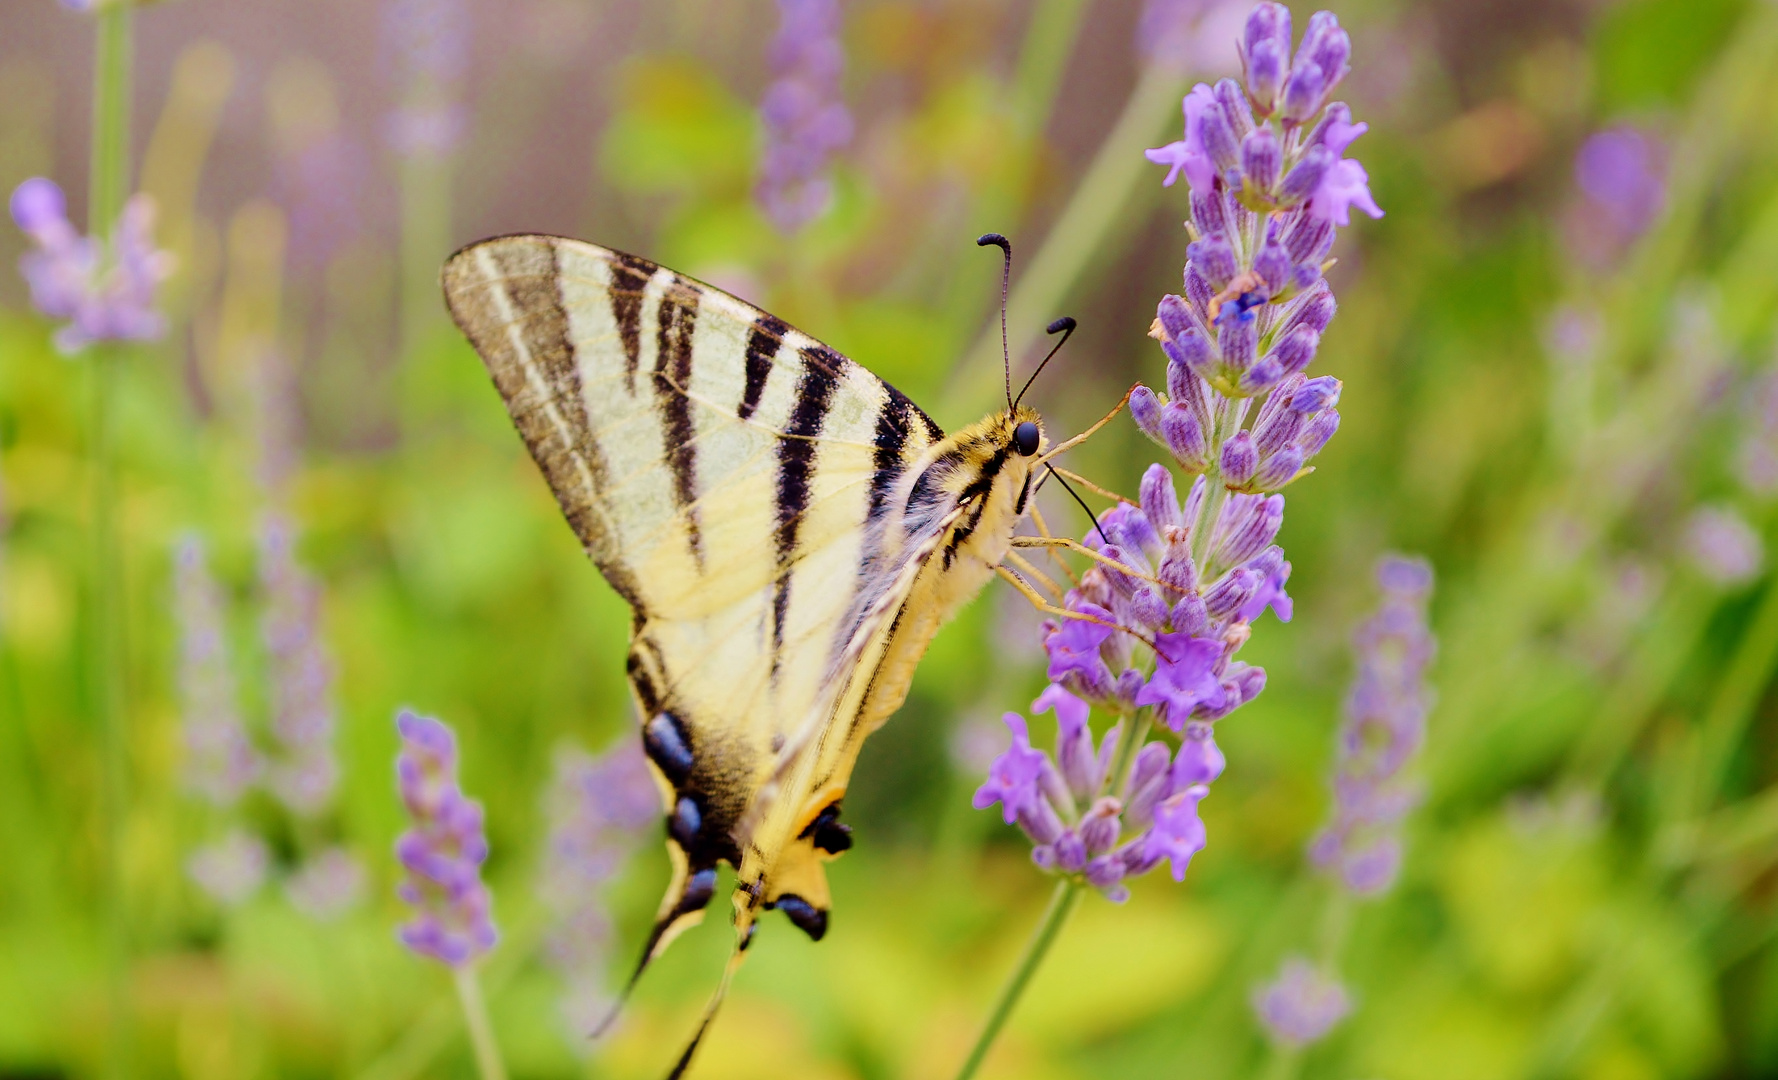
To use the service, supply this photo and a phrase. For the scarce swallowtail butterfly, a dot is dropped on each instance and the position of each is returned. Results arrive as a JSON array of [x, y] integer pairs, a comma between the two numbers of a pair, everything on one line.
[[788, 530]]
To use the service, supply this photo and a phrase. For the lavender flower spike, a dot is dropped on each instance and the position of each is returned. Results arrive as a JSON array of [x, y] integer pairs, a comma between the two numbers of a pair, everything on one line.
[[301, 674], [598, 809], [805, 120], [1385, 725], [106, 292], [222, 763], [444, 850]]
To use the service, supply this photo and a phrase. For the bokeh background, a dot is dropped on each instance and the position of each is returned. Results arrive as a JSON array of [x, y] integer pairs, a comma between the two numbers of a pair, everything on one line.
[[1559, 387]]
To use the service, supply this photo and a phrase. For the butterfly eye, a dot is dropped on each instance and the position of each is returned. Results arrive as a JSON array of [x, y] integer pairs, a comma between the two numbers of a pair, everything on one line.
[[1024, 438]]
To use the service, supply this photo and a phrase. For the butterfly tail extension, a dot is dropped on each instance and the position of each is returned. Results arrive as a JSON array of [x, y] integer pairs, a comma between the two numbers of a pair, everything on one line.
[[744, 937]]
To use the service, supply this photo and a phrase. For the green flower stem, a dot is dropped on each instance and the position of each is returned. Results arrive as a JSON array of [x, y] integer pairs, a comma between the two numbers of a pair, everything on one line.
[[481, 1030], [108, 187], [1107, 193], [1062, 904], [1043, 58]]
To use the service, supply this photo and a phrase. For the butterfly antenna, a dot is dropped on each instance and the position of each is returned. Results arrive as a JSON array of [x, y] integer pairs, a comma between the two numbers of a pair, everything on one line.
[[1064, 326], [1083, 504], [1005, 246]]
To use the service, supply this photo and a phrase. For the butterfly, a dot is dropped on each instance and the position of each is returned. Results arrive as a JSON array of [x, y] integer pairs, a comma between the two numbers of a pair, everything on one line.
[[789, 531]]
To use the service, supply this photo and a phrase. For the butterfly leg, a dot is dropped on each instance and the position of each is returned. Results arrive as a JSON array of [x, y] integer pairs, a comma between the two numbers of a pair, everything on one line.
[[1038, 602], [1025, 567], [1079, 548], [1089, 432]]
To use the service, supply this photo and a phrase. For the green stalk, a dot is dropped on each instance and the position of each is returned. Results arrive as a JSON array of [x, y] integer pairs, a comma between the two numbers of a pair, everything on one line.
[[1061, 905], [108, 186], [481, 1029]]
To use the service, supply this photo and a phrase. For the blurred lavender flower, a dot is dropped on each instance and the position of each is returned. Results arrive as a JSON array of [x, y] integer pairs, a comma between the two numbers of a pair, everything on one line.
[[327, 885], [1085, 822], [105, 291], [1385, 726], [1191, 35], [598, 808], [429, 42], [1302, 1004], [232, 869], [444, 851], [319, 186], [222, 763], [1756, 462], [299, 672], [1723, 546], [805, 119], [1620, 169]]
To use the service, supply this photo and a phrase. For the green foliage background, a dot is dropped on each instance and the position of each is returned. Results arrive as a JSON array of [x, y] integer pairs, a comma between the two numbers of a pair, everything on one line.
[[1589, 886]]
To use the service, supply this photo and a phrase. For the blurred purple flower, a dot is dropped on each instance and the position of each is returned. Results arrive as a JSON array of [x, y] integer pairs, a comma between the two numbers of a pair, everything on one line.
[[429, 46], [1191, 35], [1723, 546], [327, 885], [598, 809], [319, 186], [1302, 1004], [1620, 170], [1384, 728], [231, 869], [444, 850], [222, 763], [105, 291], [804, 117], [299, 673]]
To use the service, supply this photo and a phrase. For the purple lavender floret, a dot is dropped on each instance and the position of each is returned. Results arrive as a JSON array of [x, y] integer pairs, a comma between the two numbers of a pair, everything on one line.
[[222, 762], [805, 120], [428, 42], [105, 291], [1384, 728], [599, 809], [299, 673], [1084, 822], [1302, 1004], [444, 850]]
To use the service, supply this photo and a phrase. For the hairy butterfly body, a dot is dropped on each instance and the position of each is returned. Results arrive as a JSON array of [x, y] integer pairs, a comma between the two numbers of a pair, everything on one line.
[[788, 530]]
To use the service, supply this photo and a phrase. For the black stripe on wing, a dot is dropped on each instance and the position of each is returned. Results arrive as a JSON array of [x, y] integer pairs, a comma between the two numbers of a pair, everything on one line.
[[676, 320], [823, 369]]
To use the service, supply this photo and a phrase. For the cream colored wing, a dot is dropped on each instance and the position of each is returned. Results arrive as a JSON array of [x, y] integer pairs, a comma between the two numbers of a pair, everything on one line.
[[730, 477]]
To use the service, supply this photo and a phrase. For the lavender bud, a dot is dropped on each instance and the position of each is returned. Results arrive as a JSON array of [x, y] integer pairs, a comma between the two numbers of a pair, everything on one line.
[[444, 850], [1104, 873], [1200, 760], [1279, 469], [1302, 1005], [1265, 74], [1231, 593], [1197, 290], [1145, 409], [1147, 608], [1247, 524], [1304, 177], [1239, 459], [1276, 425], [1237, 336], [1214, 259], [1267, 21], [1071, 852], [1099, 831], [1234, 104], [1302, 93], [1184, 438], [1190, 616], [1219, 139], [1190, 351], [1160, 503], [1315, 395], [1260, 377], [1296, 350], [1316, 310], [1244, 682], [1317, 431], [1185, 387], [1209, 213], [1174, 316], [1305, 277], [1261, 159], [1037, 820], [1177, 570], [1273, 264], [1374, 869], [1326, 46]]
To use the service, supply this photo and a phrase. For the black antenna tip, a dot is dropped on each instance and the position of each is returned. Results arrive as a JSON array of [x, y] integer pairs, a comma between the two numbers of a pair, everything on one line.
[[997, 240], [1064, 323]]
